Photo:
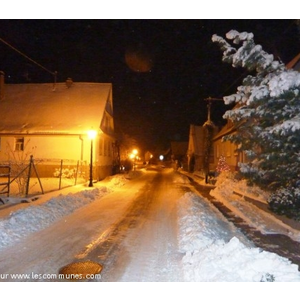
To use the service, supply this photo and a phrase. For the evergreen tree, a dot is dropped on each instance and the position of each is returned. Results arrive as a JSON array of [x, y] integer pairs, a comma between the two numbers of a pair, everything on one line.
[[266, 117]]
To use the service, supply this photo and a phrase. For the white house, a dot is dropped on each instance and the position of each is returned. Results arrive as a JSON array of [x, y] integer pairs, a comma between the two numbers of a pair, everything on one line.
[[51, 121]]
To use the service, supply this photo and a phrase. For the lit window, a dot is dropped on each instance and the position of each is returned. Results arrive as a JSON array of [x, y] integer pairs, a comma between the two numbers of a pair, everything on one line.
[[19, 144]]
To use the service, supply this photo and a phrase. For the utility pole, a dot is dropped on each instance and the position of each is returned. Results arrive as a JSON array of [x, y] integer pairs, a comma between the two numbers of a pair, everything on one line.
[[209, 102]]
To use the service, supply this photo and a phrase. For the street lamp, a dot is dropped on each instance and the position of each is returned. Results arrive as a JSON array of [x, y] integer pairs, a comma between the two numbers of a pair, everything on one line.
[[133, 157], [91, 134]]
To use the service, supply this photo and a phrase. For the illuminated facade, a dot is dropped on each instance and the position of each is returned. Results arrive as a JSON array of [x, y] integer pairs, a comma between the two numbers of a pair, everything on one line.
[[51, 123]]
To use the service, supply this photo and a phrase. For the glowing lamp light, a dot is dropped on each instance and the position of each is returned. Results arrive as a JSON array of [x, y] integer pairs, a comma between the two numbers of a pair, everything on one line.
[[161, 157], [92, 134]]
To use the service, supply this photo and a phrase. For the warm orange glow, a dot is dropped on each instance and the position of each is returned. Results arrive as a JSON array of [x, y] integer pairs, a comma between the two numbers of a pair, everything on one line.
[[134, 151], [92, 134]]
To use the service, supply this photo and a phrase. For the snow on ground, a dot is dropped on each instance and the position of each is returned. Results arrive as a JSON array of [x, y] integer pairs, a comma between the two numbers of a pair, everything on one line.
[[28, 218], [209, 253], [262, 220], [210, 257]]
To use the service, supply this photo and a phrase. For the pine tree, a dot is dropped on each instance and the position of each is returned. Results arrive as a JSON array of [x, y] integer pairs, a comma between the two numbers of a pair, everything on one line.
[[266, 116]]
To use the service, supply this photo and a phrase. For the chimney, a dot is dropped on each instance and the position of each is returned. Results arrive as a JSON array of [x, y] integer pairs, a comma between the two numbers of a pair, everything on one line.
[[1, 85]]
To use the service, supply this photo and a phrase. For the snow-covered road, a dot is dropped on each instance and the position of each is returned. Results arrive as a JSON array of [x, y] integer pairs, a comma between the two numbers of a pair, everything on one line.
[[155, 227], [147, 235]]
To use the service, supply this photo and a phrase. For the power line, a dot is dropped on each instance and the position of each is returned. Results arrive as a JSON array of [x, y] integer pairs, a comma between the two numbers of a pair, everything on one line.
[[33, 61]]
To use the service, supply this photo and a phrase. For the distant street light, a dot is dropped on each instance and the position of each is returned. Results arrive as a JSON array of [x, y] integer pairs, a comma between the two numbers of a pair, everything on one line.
[[91, 134], [133, 157]]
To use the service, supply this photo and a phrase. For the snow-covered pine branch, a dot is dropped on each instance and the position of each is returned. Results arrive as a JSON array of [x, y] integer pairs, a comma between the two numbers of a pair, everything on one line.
[[266, 116]]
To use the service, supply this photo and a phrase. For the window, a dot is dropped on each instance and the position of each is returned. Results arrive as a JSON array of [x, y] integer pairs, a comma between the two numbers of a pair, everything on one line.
[[19, 144]]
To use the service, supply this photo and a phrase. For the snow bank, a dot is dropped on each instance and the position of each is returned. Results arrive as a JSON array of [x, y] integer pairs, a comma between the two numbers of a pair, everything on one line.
[[212, 254], [35, 217], [262, 220], [21, 223], [226, 185], [234, 262], [213, 249]]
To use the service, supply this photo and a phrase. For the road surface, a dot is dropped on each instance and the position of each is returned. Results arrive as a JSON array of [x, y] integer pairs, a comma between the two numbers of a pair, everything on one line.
[[128, 232], [132, 232]]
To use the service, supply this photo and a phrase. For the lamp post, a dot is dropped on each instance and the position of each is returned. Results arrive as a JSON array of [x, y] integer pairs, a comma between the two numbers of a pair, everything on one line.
[[134, 152], [132, 156], [91, 134]]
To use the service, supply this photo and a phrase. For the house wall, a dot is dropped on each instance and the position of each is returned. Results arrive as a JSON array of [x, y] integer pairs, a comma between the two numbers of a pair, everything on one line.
[[196, 149], [228, 150], [104, 156], [48, 151], [41, 147]]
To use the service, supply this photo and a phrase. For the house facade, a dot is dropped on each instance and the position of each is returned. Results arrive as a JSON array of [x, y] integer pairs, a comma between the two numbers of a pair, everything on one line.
[[196, 149], [50, 122], [226, 149]]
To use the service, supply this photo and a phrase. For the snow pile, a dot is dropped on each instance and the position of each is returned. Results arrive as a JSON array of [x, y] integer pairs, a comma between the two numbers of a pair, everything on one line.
[[116, 180], [262, 220], [234, 262], [21, 223], [212, 254], [181, 180], [38, 216], [226, 185], [135, 173]]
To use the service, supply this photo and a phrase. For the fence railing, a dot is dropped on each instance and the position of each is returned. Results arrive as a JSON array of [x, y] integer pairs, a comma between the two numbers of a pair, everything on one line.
[[5, 179], [38, 176]]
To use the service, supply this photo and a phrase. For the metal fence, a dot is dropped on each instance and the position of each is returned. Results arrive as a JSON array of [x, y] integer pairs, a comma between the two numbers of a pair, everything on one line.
[[37, 176]]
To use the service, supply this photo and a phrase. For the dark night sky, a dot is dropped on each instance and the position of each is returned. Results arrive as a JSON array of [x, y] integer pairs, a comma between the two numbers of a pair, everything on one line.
[[154, 106]]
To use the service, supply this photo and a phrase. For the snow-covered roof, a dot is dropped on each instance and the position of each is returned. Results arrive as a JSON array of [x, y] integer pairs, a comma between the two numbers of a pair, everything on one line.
[[41, 108], [226, 129]]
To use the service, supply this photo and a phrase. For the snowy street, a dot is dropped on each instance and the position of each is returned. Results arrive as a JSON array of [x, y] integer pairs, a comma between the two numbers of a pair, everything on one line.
[[150, 226], [131, 232]]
